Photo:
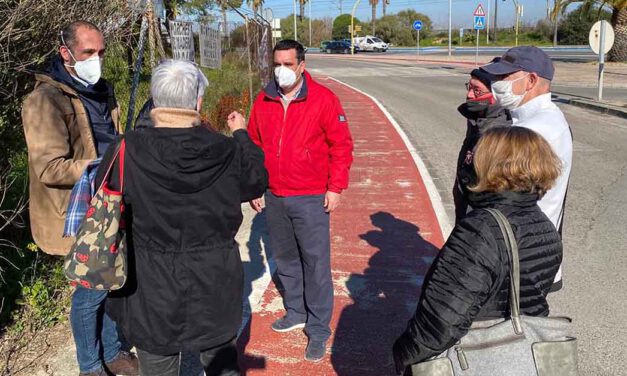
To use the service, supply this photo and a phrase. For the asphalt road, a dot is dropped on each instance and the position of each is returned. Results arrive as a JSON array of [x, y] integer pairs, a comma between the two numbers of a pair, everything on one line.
[[424, 99], [570, 54]]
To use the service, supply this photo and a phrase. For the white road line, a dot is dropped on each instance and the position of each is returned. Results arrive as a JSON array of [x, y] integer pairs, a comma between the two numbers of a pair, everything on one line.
[[434, 195]]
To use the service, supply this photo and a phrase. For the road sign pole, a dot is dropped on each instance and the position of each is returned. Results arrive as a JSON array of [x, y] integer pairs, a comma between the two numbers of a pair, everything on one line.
[[477, 52], [310, 44], [417, 41], [601, 60]]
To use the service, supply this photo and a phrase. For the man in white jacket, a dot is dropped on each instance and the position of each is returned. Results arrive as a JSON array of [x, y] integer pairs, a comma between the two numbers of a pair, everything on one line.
[[523, 86]]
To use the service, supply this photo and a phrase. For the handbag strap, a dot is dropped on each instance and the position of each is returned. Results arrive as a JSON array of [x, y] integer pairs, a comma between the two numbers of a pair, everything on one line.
[[121, 164], [514, 272], [110, 166]]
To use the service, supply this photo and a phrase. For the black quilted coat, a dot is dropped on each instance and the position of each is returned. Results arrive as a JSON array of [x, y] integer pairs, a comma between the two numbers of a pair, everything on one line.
[[469, 280]]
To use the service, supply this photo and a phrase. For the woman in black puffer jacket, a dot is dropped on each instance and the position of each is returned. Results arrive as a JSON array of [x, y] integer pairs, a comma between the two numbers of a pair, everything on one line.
[[469, 280]]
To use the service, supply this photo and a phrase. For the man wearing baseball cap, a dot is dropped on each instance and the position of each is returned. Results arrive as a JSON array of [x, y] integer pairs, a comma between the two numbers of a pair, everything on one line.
[[523, 86]]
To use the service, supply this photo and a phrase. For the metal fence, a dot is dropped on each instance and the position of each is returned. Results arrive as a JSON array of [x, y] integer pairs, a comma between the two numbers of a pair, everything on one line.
[[246, 46]]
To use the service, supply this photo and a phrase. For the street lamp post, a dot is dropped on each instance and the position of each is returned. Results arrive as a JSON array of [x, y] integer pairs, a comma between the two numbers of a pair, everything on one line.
[[295, 27], [496, 13], [353, 26], [487, 33], [518, 13], [450, 25]]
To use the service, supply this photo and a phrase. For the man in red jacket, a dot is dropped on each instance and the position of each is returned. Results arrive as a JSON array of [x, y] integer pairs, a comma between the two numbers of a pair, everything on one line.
[[302, 128]]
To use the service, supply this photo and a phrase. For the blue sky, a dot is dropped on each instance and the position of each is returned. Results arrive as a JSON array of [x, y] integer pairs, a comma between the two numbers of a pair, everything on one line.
[[437, 10]]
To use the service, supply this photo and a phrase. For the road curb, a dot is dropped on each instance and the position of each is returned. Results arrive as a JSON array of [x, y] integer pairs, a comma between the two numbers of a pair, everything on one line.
[[598, 107]]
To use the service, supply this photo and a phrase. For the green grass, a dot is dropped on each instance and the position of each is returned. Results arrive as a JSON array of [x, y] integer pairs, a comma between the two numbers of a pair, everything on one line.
[[505, 38]]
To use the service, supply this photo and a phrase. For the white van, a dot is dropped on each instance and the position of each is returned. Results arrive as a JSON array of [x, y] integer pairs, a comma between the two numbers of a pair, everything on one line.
[[371, 43]]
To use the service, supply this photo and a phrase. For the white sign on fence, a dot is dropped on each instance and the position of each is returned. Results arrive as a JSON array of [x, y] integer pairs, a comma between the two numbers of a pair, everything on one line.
[[210, 47], [182, 40]]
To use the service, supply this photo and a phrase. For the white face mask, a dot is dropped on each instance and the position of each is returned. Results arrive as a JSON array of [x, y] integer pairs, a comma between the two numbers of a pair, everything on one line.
[[89, 70], [504, 95], [285, 77]]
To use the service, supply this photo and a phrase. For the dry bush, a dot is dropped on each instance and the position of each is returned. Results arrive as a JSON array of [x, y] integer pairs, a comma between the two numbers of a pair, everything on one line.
[[29, 30]]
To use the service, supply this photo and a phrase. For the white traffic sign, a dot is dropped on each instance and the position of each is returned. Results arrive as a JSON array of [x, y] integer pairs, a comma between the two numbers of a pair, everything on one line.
[[268, 15], [595, 37], [417, 25], [479, 11], [479, 23]]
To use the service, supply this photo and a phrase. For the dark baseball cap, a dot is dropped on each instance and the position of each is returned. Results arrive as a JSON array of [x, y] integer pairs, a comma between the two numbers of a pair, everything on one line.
[[522, 58]]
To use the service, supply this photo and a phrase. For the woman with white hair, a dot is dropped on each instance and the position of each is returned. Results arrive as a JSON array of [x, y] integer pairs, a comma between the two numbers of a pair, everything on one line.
[[182, 188]]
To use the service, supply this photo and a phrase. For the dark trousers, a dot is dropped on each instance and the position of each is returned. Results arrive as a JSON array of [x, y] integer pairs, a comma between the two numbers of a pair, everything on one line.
[[216, 361], [301, 249]]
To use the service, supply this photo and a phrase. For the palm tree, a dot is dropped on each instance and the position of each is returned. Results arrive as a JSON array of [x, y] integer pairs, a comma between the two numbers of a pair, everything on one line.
[[374, 4], [559, 7], [385, 3], [619, 22], [224, 6], [255, 5], [302, 9]]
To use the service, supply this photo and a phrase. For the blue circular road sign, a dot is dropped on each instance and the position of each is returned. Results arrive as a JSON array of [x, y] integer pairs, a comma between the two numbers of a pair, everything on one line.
[[417, 25]]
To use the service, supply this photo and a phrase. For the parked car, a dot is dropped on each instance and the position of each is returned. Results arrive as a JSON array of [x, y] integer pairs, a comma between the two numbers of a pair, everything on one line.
[[339, 47], [371, 43], [348, 41], [323, 45]]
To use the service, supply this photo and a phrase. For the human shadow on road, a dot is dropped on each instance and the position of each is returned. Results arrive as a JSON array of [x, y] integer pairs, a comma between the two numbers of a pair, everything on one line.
[[384, 297], [253, 270]]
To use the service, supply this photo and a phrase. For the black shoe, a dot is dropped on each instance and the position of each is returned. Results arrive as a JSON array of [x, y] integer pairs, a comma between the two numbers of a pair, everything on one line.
[[284, 325], [315, 350]]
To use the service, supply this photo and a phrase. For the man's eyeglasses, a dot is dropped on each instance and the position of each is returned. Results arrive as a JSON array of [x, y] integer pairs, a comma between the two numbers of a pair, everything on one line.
[[475, 90]]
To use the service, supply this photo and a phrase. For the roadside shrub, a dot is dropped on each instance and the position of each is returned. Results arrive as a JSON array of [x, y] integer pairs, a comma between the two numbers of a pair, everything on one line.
[[575, 27]]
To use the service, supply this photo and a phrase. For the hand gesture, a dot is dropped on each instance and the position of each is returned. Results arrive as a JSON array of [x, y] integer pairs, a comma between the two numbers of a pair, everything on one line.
[[236, 121]]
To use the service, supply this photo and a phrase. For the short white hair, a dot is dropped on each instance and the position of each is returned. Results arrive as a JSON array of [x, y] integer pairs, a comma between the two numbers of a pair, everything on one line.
[[177, 84]]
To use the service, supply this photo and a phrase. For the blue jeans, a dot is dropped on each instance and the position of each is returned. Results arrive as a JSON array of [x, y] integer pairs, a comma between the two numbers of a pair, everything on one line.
[[95, 334]]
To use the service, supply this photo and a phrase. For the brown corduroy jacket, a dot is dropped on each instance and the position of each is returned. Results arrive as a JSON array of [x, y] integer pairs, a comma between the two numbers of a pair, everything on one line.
[[60, 145]]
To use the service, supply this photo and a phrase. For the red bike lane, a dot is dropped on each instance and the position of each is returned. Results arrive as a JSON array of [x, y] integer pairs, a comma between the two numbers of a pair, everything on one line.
[[384, 236]]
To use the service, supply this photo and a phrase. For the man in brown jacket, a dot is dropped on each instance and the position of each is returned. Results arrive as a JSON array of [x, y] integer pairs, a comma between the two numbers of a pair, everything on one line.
[[69, 120]]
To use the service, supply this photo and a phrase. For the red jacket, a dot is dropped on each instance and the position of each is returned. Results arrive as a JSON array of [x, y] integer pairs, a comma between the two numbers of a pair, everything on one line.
[[308, 147]]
